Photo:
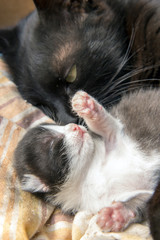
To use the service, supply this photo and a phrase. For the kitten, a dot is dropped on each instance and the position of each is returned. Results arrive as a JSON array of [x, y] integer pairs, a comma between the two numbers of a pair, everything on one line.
[[104, 47], [112, 168]]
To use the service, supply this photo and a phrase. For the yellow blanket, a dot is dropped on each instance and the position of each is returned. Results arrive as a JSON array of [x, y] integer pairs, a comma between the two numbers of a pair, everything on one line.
[[22, 216]]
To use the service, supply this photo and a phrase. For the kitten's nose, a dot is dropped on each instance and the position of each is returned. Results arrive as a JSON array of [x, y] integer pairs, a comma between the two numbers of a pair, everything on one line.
[[76, 128]]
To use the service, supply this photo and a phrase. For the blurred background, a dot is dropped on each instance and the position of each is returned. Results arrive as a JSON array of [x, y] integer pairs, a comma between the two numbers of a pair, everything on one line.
[[12, 11]]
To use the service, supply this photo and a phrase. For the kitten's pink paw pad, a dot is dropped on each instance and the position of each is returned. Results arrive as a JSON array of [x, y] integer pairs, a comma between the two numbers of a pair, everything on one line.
[[84, 104], [114, 218]]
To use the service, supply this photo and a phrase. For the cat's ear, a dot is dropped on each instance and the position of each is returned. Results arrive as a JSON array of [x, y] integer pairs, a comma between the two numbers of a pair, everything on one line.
[[32, 183], [61, 7], [44, 5], [8, 39]]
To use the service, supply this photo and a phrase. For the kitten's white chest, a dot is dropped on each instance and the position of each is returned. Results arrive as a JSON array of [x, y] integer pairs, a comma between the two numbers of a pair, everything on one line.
[[122, 174]]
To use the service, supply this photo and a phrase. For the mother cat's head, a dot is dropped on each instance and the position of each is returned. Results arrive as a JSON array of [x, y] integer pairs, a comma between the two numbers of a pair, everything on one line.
[[64, 46]]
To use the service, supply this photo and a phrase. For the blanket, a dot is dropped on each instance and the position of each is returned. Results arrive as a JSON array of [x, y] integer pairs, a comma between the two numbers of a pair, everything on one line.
[[23, 216]]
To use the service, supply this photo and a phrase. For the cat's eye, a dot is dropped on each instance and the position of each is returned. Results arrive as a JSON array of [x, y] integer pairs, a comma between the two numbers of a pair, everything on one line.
[[72, 75]]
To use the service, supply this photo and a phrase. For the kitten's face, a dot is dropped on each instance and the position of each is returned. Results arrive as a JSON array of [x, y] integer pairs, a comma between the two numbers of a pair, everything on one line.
[[77, 141], [67, 46], [50, 154]]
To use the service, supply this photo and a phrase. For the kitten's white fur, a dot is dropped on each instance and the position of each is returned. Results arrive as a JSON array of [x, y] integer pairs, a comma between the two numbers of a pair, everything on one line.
[[99, 178]]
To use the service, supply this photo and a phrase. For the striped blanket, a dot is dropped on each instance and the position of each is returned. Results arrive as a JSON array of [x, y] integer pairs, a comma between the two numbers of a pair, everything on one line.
[[22, 216]]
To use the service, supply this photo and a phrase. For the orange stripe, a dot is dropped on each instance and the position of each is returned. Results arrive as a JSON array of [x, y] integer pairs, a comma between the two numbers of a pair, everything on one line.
[[30, 119], [58, 216], [8, 159], [7, 92], [63, 234], [5, 136], [3, 66], [8, 102], [4, 79], [14, 108], [8, 217], [12, 144]]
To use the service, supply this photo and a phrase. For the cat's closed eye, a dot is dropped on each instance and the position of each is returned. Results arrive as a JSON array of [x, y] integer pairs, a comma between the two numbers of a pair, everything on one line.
[[72, 75]]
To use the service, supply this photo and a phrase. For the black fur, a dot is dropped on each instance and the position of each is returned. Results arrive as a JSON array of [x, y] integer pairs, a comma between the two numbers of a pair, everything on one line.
[[94, 30], [100, 37]]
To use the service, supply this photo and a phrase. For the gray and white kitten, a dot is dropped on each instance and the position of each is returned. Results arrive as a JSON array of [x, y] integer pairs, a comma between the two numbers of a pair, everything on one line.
[[112, 168]]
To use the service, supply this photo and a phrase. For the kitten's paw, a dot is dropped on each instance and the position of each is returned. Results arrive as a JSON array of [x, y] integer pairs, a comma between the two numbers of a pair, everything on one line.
[[85, 105], [115, 218]]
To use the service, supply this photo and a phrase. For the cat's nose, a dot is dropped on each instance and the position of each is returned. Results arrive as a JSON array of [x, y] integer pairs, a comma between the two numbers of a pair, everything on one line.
[[64, 114]]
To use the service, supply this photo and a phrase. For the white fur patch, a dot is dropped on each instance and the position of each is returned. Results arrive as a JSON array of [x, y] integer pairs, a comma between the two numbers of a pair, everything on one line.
[[31, 183], [59, 129], [99, 177], [98, 180]]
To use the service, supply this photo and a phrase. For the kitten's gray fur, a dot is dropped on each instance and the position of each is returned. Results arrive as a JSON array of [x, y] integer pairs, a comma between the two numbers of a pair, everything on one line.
[[140, 114]]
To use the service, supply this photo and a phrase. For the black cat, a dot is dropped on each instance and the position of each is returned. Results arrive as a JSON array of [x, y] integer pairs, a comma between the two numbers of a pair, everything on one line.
[[104, 47]]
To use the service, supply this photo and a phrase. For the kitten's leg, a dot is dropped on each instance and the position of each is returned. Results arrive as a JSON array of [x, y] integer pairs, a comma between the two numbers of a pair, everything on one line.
[[120, 215], [95, 116]]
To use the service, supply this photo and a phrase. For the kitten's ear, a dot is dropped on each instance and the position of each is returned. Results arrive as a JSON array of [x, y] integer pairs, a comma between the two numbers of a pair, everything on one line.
[[31, 183], [8, 39]]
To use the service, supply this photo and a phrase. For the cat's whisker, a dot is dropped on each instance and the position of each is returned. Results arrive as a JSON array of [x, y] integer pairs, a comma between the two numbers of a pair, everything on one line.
[[49, 112], [128, 86], [118, 96], [81, 122], [127, 76], [125, 59], [58, 122], [119, 93], [140, 81], [126, 68], [110, 87], [139, 70]]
